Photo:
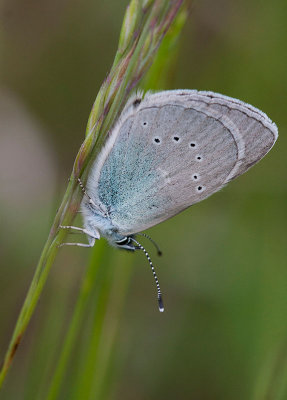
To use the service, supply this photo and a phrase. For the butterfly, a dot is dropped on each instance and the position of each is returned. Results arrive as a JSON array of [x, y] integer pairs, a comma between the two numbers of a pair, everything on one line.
[[168, 151]]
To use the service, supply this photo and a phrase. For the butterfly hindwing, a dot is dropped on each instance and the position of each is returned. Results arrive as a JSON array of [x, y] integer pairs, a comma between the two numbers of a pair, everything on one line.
[[173, 149]]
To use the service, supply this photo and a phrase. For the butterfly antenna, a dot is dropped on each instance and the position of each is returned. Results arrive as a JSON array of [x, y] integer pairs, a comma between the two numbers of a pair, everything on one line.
[[159, 252], [159, 296], [85, 192], [91, 201]]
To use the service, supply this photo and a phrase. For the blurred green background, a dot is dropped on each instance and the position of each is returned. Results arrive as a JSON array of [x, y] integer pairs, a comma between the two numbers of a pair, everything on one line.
[[224, 270]]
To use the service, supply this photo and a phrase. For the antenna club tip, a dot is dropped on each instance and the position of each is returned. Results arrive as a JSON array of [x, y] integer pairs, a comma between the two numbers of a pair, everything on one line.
[[160, 305], [159, 253]]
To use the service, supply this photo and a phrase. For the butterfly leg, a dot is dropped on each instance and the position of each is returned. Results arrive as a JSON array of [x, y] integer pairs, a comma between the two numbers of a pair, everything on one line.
[[92, 236], [81, 230], [91, 244]]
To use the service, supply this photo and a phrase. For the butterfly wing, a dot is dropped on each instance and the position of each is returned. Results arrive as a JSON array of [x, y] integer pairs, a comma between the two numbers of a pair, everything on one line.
[[174, 149]]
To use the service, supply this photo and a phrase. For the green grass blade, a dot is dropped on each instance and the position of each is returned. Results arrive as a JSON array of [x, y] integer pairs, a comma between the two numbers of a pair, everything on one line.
[[93, 368], [125, 74]]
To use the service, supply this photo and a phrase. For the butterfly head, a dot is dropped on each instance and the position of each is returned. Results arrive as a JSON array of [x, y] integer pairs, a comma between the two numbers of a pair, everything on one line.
[[126, 242]]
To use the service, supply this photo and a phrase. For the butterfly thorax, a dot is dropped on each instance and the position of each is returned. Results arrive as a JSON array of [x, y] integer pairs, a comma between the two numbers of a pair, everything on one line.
[[100, 224]]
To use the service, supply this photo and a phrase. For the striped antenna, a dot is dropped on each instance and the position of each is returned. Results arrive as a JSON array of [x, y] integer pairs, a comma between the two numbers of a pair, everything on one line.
[[91, 201], [159, 296], [85, 193], [159, 252]]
